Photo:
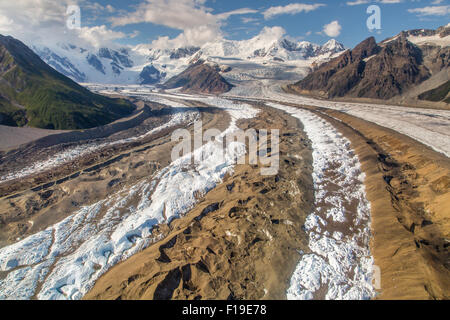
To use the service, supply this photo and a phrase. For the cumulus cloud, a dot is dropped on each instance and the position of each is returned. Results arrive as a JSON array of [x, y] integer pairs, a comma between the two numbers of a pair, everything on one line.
[[98, 35], [28, 15], [292, 8], [431, 11], [44, 21], [359, 2], [333, 29], [177, 14], [269, 34], [196, 21], [197, 36]]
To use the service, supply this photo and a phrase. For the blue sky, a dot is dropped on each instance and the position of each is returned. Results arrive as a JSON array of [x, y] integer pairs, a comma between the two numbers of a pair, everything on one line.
[[181, 22], [305, 25]]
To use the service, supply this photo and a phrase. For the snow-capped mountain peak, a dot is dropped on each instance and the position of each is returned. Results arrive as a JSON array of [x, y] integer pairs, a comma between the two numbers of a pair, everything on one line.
[[146, 65], [333, 46]]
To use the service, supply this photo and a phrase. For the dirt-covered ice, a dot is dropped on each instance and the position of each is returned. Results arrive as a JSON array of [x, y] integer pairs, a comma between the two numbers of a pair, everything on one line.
[[340, 264], [65, 260], [428, 126]]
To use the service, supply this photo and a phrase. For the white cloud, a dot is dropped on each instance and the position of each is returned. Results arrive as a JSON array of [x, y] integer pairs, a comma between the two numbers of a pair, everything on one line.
[[248, 20], [390, 1], [6, 24], [333, 29], [33, 19], [97, 7], [44, 21], [198, 23], [359, 2], [177, 14], [98, 35], [269, 34], [292, 8], [226, 15], [196, 36], [431, 11]]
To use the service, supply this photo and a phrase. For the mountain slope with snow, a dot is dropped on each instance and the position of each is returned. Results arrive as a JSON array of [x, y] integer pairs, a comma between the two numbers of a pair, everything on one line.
[[146, 65], [382, 71]]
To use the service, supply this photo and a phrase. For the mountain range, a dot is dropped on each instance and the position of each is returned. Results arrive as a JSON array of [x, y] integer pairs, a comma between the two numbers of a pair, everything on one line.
[[146, 65], [34, 94], [412, 65], [40, 88]]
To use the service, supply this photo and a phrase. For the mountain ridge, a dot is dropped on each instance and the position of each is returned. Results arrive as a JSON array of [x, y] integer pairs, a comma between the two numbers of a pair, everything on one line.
[[126, 65], [199, 78], [381, 71], [32, 93]]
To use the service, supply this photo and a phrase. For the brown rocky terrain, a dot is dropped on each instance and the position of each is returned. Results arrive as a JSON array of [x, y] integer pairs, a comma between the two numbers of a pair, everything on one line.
[[241, 240], [381, 71], [408, 187], [409, 190], [199, 78], [211, 253], [33, 203]]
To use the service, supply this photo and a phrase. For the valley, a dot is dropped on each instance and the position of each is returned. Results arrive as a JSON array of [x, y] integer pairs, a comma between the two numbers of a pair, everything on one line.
[[129, 205], [96, 205]]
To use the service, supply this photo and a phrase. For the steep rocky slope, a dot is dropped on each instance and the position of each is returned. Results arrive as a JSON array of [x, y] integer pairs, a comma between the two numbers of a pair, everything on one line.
[[33, 93], [440, 93], [145, 64], [381, 71], [200, 78]]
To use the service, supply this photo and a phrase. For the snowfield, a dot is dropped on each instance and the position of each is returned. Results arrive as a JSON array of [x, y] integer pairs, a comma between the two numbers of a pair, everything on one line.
[[339, 261], [65, 260]]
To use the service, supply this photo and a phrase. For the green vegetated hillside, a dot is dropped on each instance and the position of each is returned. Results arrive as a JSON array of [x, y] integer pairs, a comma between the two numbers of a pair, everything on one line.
[[438, 94], [34, 94]]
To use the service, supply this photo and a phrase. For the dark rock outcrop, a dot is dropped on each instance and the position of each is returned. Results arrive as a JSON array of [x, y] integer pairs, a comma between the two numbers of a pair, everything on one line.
[[184, 52], [441, 93], [378, 71], [94, 61], [150, 75], [119, 59], [199, 78]]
